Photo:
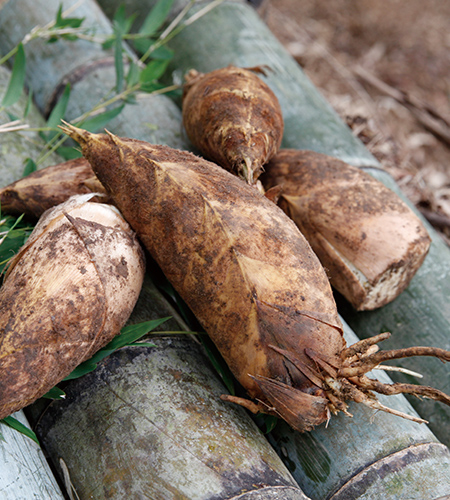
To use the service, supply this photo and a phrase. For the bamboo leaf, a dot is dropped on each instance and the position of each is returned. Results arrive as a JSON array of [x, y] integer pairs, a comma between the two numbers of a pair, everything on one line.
[[121, 22], [18, 426], [29, 104], [129, 335], [69, 153], [17, 80], [65, 22], [59, 110], [118, 62], [30, 166], [133, 74], [55, 393], [163, 53], [99, 121], [154, 70], [13, 235], [156, 17]]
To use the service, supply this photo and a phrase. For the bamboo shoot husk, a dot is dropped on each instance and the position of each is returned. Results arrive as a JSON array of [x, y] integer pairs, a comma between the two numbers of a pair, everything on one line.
[[232, 33]]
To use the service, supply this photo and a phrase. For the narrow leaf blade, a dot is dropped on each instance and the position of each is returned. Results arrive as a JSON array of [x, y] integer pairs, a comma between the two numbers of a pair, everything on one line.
[[17, 80], [59, 110], [99, 121], [156, 17], [18, 426]]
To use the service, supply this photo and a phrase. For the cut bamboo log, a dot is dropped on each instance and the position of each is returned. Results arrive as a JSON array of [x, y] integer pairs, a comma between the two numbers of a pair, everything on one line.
[[24, 470], [232, 33]]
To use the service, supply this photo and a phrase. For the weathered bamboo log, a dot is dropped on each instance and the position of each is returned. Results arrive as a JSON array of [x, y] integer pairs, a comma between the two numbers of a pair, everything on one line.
[[232, 457], [24, 470], [232, 33], [88, 69]]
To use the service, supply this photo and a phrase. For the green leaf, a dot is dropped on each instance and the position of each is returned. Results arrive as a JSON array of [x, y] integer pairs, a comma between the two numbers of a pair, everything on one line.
[[153, 71], [29, 104], [66, 22], [12, 116], [14, 234], [142, 46], [30, 166], [162, 52], [17, 80], [121, 22], [55, 393], [108, 43], [59, 110], [99, 121], [133, 74], [156, 17], [118, 62], [69, 153], [128, 335], [18, 426]]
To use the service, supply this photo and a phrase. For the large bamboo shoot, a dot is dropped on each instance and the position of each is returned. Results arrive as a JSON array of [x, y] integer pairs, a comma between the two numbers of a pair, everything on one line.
[[232, 33]]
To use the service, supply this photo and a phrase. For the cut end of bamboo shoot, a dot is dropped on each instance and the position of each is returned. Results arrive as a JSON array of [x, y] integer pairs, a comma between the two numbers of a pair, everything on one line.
[[368, 239]]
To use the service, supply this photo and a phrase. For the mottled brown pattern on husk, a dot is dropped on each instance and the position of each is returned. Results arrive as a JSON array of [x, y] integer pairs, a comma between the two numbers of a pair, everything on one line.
[[233, 118], [48, 187], [340, 207], [66, 294], [238, 261]]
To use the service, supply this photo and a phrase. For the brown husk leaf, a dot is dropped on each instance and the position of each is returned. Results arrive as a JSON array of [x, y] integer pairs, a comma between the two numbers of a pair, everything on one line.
[[368, 239], [233, 118]]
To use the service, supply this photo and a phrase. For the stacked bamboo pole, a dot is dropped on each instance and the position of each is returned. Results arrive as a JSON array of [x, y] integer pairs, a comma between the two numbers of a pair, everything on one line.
[[232, 33], [159, 429]]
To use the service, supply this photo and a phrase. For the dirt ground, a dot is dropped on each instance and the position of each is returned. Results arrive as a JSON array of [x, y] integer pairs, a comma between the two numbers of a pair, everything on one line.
[[385, 68]]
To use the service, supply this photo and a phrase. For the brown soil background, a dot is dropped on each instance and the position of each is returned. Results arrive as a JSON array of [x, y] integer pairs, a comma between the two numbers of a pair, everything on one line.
[[402, 43]]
